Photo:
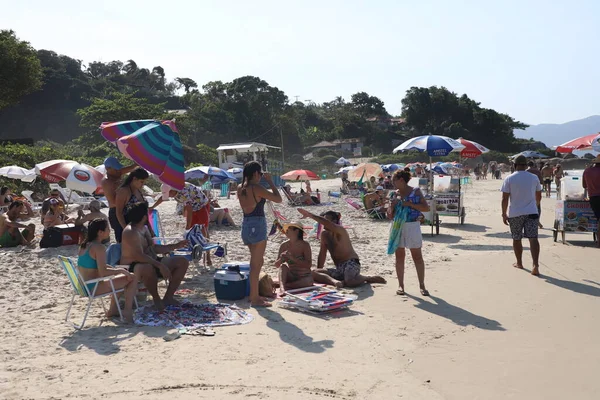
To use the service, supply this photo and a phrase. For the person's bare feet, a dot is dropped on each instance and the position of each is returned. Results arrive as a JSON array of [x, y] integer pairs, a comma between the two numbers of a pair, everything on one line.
[[159, 305], [400, 291], [375, 279], [339, 284], [171, 302], [540, 225], [260, 303], [128, 317], [424, 292], [113, 312], [518, 266], [535, 271]]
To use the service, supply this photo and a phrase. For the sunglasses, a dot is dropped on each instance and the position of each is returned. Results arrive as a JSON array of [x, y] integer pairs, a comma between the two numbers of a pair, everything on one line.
[[54, 194]]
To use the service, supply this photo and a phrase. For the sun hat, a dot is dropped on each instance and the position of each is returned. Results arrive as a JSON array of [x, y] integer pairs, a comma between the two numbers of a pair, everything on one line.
[[292, 225], [112, 162]]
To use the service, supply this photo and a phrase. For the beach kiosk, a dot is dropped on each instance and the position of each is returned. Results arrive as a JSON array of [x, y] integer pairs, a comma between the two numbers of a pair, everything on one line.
[[449, 197], [573, 213], [235, 155]]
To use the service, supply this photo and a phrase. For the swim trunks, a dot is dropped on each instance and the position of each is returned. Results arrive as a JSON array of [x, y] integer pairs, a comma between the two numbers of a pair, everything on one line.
[[524, 226], [346, 271], [134, 263], [7, 240]]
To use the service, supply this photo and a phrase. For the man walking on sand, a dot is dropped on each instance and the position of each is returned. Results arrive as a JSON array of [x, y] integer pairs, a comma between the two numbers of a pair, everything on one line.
[[335, 239], [111, 182], [547, 176], [524, 192]]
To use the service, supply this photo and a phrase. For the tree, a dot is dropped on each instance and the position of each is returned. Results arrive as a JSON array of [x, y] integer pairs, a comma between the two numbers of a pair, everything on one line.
[[368, 106], [187, 83], [20, 69]]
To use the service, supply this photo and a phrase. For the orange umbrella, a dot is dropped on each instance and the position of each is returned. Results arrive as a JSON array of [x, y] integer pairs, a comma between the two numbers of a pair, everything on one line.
[[365, 171]]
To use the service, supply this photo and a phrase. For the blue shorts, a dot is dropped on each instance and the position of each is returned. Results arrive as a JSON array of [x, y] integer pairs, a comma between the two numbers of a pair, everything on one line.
[[254, 230]]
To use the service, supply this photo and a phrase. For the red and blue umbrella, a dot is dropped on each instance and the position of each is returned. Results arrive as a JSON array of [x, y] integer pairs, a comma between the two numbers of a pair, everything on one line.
[[472, 149], [434, 145], [153, 145]]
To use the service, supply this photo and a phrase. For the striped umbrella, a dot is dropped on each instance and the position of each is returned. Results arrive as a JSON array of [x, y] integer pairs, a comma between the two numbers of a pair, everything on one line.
[[472, 149], [434, 145], [153, 145]]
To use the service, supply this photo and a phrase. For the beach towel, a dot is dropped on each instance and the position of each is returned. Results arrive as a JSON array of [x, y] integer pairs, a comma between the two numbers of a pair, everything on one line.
[[193, 316], [400, 217]]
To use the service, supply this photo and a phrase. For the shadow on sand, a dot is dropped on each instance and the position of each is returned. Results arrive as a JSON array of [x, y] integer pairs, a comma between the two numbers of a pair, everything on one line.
[[467, 227], [442, 238], [291, 334], [484, 247], [506, 235], [456, 314], [104, 340]]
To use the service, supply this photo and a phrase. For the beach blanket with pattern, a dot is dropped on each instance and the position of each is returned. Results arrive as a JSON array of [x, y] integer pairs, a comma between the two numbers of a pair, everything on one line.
[[400, 217], [193, 316]]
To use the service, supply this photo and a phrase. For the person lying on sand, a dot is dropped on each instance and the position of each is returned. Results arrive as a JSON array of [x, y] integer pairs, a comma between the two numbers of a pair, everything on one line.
[[140, 253], [10, 236], [295, 259], [336, 240], [92, 265]]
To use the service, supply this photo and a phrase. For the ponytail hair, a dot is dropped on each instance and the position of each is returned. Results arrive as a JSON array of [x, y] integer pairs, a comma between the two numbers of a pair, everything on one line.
[[138, 173], [94, 228], [250, 168]]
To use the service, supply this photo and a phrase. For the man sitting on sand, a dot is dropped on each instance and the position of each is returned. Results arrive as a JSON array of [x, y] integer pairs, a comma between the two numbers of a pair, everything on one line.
[[140, 253], [295, 259], [10, 236], [335, 239]]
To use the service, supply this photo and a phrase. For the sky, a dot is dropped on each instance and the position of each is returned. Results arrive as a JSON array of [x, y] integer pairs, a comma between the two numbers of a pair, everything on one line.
[[537, 61]]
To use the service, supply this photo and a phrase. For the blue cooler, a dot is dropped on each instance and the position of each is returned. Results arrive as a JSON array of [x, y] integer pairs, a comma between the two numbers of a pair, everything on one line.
[[244, 269], [230, 284]]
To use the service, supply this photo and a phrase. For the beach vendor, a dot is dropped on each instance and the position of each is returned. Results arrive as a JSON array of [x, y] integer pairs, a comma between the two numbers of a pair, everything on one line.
[[141, 254], [591, 183], [10, 235], [252, 197], [406, 208], [295, 259], [196, 207], [336, 241], [523, 191], [110, 184]]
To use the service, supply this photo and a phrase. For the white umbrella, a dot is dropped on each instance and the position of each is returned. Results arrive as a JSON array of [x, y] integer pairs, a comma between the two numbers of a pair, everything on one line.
[[237, 172], [344, 169], [101, 168], [15, 172], [342, 161]]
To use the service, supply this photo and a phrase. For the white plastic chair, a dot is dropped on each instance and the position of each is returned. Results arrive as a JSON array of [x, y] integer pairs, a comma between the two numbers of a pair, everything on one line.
[[81, 289], [35, 205]]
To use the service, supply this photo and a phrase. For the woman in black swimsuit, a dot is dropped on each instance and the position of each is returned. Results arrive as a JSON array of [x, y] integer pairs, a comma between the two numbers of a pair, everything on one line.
[[128, 194]]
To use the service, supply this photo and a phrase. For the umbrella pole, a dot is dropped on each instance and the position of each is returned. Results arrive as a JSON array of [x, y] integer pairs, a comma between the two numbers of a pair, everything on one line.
[[68, 200], [430, 177]]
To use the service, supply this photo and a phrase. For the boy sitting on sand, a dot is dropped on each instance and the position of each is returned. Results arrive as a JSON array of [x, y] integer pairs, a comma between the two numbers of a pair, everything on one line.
[[295, 259], [10, 236]]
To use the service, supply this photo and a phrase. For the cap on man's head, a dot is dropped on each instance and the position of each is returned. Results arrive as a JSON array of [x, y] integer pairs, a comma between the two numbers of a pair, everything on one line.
[[521, 160], [112, 162], [379, 188]]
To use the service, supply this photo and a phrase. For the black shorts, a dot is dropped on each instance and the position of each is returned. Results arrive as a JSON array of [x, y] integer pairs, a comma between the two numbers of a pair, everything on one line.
[[158, 274], [114, 224], [548, 181], [595, 204]]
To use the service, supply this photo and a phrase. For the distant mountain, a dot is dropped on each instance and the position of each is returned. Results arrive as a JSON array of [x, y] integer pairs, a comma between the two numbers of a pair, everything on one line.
[[555, 134]]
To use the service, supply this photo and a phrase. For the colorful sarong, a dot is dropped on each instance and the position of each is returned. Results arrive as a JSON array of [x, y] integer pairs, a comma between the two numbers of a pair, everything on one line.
[[400, 217]]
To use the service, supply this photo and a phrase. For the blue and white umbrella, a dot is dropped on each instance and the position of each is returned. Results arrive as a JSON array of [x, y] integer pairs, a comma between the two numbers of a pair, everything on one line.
[[530, 154], [435, 146], [342, 161], [390, 167], [216, 175]]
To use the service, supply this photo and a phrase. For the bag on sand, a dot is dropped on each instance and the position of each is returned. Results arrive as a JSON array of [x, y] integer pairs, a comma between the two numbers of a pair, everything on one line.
[[52, 237], [266, 288]]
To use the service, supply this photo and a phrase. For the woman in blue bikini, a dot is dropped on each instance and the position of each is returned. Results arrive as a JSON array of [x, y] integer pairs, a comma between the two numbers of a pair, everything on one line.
[[252, 197], [92, 265]]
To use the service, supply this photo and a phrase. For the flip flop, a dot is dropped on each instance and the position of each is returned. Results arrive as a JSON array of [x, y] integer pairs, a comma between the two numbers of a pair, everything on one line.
[[400, 292], [201, 332], [424, 292]]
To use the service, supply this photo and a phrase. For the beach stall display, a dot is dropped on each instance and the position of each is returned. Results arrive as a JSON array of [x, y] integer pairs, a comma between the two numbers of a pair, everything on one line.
[[448, 196], [573, 212], [435, 146], [236, 155]]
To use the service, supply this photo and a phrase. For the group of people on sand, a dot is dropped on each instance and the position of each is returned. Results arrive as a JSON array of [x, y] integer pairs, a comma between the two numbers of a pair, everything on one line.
[[295, 255]]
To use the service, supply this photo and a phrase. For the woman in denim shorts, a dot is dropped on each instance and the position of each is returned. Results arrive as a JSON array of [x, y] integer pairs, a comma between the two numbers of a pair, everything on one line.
[[252, 197]]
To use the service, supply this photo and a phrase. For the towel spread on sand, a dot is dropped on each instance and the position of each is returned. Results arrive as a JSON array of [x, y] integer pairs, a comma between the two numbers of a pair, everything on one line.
[[400, 217], [193, 316]]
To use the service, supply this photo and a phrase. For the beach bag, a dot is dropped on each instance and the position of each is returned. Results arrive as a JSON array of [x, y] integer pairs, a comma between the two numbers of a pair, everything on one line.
[[52, 237], [195, 236]]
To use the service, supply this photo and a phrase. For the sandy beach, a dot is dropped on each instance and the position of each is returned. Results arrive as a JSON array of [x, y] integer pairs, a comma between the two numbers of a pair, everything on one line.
[[488, 331]]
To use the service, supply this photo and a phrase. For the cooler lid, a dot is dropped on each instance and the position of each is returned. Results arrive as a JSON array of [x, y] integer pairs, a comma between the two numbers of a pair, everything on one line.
[[226, 275]]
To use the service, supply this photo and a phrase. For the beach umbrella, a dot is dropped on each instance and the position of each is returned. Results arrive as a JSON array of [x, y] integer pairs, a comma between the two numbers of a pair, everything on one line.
[[530, 154], [342, 161], [581, 143], [434, 145], [390, 167], [300, 175], [153, 145], [215, 174], [472, 149], [15, 172], [77, 176], [365, 171], [344, 169]]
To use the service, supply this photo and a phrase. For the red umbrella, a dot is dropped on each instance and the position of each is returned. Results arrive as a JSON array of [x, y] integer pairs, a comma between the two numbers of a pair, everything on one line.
[[472, 149], [300, 175], [78, 176], [580, 143]]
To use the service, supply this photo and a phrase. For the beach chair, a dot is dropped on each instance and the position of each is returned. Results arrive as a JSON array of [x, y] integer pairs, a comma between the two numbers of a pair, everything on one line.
[[283, 220], [157, 227], [335, 195], [374, 213], [80, 288], [71, 196], [292, 202], [35, 205], [224, 190], [200, 248]]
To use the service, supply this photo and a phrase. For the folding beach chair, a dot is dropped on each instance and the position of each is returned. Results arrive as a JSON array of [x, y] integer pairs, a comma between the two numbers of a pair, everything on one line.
[[224, 190], [200, 248], [292, 202], [335, 195], [279, 217], [35, 205], [157, 227], [80, 288]]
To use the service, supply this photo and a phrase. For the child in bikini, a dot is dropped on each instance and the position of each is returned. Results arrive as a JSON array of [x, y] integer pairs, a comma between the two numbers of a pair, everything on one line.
[[295, 259]]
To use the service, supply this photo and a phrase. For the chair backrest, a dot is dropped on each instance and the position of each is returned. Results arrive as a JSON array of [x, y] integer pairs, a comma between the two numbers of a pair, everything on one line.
[[155, 223], [224, 189], [70, 267], [61, 190], [287, 195]]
